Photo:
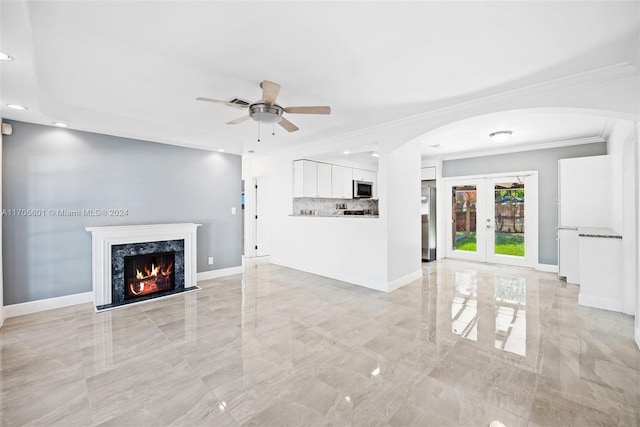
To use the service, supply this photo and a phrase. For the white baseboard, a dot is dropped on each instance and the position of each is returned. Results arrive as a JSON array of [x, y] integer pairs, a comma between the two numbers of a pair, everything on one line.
[[47, 304], [213, 274], [637, 337], [398, 283], [549, 268], [598, 302]]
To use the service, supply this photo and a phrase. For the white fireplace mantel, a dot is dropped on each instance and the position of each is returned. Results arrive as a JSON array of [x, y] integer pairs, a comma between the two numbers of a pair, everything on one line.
[[105, 237]]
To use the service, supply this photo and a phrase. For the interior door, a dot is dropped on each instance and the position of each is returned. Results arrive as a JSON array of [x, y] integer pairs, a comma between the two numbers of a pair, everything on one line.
[[262, 216], [493, 219]]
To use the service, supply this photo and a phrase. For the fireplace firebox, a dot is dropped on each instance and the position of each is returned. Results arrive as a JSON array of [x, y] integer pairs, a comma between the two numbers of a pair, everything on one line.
[[148, 274], [146, 270]]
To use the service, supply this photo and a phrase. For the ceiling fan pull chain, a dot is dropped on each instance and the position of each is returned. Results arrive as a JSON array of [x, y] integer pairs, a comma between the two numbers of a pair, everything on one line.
[[273, 129], [258, 131]]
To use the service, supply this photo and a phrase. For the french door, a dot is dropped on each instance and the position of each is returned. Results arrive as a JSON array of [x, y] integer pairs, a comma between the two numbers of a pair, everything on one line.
[[493, 219]]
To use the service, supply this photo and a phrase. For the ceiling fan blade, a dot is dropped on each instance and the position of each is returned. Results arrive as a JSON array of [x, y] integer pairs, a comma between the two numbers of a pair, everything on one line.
[[287, 125], [270, 91], [238, 120], [217, 101], [308, 110]]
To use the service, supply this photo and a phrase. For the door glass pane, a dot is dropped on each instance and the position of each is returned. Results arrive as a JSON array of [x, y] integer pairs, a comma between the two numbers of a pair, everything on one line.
[[464, 218], [509, 216]]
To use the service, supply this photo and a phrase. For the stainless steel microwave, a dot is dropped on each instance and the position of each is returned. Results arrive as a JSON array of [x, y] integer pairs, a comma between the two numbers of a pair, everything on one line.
[[362, 189]]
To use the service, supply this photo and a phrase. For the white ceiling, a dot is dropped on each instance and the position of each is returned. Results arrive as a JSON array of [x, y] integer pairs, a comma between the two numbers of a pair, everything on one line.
[[134, 69]]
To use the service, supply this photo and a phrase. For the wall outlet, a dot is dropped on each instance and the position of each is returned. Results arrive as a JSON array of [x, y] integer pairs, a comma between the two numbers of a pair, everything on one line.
[[210, 260], [233, 211]]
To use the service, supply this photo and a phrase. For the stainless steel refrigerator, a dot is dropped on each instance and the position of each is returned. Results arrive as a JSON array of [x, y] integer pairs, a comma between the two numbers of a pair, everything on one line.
[[428, 220]]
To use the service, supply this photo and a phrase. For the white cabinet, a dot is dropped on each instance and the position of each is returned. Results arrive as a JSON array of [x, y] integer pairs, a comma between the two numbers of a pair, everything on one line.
[[428, 173], [601, 270], [584, 192], [347, 183], [569, 255], [341, 182], [324, 180], [305, 178], [315, 179]]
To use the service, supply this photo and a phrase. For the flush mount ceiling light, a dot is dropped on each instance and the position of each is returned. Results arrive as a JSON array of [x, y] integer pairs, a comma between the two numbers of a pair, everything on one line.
[[61, 124], [346, 152], [5, 56], [501, 135], [374, 154], [17, 107]]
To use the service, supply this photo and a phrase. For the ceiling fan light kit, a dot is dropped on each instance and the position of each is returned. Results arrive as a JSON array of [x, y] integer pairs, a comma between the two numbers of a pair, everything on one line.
[[266, 110], [266, 113]]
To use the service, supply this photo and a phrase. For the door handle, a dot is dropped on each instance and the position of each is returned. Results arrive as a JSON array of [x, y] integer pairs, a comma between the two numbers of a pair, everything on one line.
[[489, 226]]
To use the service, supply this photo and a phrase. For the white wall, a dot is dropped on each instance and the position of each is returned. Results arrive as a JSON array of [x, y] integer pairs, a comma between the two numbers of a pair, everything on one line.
[[400, 171], [1, 274], [621, 146], [637, 260]]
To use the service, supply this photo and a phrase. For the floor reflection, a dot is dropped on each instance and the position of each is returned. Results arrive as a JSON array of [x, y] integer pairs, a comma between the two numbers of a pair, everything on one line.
[[464, 306], [507, 310], [510, 314]]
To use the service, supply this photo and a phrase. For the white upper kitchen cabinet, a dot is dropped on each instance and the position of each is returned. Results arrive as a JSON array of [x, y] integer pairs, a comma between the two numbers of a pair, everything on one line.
[[584, 192], [324, 180], [341, 182], [305, 178]]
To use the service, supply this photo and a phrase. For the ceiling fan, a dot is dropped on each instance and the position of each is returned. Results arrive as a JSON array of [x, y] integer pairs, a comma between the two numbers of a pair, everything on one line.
[[266, 110]]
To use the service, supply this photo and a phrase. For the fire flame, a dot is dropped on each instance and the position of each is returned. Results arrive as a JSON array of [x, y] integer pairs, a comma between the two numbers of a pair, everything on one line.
[[149, 278], [153, 273]]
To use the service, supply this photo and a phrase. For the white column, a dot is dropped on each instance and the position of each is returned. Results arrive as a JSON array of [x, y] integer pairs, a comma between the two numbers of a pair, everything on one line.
[[1, 284]]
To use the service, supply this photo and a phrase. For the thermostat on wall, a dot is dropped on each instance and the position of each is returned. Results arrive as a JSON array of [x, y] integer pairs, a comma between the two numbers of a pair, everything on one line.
[[7, 129]]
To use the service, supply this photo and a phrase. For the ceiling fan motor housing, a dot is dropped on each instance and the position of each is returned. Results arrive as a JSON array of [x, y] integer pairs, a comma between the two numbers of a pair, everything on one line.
[[266, 113]]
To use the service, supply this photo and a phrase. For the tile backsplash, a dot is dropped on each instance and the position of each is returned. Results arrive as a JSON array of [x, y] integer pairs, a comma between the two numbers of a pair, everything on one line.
[[325, 207]]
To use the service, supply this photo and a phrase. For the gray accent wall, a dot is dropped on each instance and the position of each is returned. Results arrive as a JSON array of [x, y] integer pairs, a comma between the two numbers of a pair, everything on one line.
[[546, 163], [48, 254]]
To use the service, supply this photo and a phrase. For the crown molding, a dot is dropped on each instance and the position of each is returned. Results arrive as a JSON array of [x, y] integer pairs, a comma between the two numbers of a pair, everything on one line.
[[520, 148]]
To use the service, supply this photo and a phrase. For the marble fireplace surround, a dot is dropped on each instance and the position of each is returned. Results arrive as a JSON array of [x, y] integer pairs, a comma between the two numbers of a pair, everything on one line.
[[103, 238]]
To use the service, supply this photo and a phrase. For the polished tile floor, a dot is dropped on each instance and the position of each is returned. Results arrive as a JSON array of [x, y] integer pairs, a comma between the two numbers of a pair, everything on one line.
[[469, 344]]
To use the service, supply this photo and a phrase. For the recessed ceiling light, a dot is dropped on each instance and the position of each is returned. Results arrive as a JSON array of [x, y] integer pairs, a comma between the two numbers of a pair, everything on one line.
[[501, 135], [346, 152], [5, 56], [221, 150], [61, 124], [435, 146], [250, 151], [17, 107], [374, 154]]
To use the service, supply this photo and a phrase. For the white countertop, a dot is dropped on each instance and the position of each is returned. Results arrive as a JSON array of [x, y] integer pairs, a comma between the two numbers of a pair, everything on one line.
[[600, 232], [335, 216]]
